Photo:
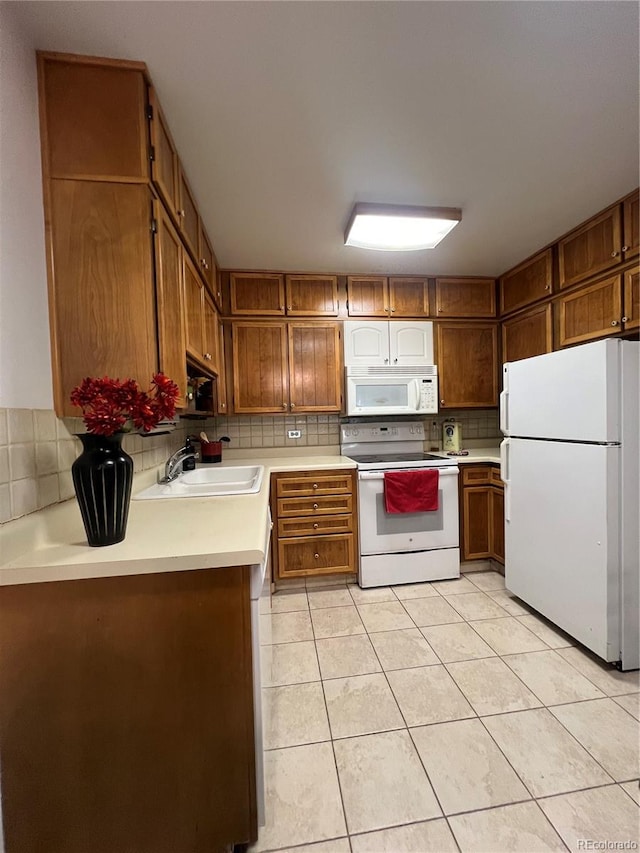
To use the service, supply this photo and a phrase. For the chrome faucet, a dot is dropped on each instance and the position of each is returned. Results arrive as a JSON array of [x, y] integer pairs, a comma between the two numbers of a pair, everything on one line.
[[173, 465]]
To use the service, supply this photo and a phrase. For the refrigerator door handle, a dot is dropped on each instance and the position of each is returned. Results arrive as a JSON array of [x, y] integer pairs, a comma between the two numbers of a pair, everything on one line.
[[504, 475], [504, 411]]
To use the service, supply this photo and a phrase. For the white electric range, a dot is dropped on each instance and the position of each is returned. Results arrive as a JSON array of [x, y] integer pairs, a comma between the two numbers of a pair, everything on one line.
[[405, 547]]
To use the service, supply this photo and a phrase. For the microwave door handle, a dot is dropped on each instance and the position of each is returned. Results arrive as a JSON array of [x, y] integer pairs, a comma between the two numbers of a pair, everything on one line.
[[416, 391]]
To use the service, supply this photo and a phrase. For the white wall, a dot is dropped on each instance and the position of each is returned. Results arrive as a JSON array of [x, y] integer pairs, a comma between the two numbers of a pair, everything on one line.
[[25, 359]]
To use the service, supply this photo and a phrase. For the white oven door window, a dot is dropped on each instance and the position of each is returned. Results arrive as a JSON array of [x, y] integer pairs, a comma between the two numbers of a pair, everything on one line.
[[382, 532]]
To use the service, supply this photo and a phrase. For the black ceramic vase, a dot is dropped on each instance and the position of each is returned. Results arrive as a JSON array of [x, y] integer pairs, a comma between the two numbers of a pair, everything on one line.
[[102, 477]]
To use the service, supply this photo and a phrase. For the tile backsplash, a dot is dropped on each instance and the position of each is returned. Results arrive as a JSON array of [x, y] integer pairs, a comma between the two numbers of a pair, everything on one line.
[[37, 449], [269, 431]]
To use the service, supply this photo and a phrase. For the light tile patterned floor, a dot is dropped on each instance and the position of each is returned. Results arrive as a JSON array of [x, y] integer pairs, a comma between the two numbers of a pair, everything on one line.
[[440, 717]]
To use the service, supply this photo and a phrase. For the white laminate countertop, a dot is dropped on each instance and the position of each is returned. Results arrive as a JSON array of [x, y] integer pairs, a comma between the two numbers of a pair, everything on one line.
[[476, 455], [162, 535]]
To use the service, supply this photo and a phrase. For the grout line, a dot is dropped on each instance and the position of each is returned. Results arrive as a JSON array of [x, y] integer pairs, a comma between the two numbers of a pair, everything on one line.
[[476, 716]]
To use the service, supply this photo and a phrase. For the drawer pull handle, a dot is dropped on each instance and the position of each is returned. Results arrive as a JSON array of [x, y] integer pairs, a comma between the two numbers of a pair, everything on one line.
[[316, 556], [316, 525], [315, 485], [315, 506]]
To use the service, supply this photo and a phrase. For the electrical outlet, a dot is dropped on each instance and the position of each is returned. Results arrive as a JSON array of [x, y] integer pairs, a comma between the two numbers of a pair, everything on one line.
[[294, 433]]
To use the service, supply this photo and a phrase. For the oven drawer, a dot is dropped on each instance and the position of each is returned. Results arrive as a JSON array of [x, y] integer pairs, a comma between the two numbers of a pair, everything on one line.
[[315, 526], [326, 483], [329, 505], [301, 556]]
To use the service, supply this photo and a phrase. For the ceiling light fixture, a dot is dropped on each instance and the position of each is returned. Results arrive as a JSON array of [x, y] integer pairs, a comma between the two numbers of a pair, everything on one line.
[[399, 227]]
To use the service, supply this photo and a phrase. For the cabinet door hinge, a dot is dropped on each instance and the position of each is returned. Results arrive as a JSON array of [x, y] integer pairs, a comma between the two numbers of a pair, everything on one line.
[[154, 226], [152, 153], [149, 112]]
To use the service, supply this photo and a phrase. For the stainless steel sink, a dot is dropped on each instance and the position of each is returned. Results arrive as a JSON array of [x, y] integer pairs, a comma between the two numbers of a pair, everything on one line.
[[208, 482]]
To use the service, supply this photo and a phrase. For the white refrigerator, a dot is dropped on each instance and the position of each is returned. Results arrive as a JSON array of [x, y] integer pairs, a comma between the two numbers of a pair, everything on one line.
[[571, 468]]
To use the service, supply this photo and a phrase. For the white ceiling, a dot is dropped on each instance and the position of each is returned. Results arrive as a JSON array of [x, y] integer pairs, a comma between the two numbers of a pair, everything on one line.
[[524, 114]]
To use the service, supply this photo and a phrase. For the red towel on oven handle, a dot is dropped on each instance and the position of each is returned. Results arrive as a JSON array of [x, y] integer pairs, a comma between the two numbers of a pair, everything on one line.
[[411, 491]]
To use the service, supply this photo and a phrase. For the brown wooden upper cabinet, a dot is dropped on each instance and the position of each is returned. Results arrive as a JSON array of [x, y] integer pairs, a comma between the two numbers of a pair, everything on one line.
[[208, 266], [315, 367], [465, 297], [527, 283], [170, 300], [194, 310], [368, 296], [256, 293], [379, 296], [188, 215], [631, 218], [163, 156], [631, 318], [282, 367], [591, 312], [527, 334], [99, 243], [222, 404], [311, 295], [467, 356], [408, 297], [210, 349], [593, 248], [94, 114], [260, 370]]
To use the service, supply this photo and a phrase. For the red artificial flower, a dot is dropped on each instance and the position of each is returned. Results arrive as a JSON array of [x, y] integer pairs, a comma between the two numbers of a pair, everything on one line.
[[107, 404]]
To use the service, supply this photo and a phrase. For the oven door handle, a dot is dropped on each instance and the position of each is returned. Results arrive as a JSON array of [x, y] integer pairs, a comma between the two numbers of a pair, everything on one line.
[[450, 471]]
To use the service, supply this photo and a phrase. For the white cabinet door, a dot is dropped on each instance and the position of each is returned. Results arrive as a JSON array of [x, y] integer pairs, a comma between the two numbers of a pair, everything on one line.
[[410, 344], [366, 343]]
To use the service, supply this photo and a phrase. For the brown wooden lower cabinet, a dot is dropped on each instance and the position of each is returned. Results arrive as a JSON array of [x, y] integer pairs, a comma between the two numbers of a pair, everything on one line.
[[475, 525], [497, 524], [315, 519], [317, 555], [126, 721], [482, 513]]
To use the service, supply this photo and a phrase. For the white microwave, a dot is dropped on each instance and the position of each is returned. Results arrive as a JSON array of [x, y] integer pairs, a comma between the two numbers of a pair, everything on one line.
[[392, 390]]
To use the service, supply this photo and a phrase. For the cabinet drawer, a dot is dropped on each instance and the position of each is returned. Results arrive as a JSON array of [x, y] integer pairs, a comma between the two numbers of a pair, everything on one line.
[[476, 475], [495, 478], [315, 526], [314, 484], [321, 505], [320, 555]]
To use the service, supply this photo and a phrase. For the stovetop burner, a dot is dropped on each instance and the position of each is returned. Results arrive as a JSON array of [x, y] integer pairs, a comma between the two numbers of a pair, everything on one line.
[[396, 457]]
